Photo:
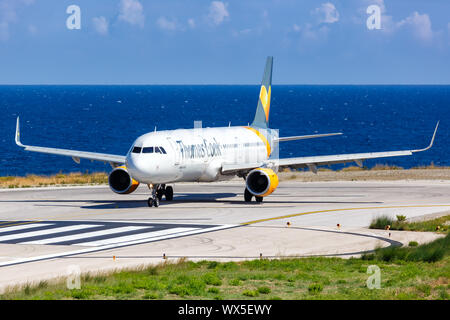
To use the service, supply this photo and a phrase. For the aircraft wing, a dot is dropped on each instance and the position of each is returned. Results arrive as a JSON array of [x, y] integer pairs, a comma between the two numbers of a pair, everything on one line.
[[311, 136], [114, 160], [314, 161]]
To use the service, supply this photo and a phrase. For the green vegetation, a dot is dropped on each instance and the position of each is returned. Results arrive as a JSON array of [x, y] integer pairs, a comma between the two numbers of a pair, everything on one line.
[[420, 272], [430, 252], [440, 224], [381, 222], [413, 244]]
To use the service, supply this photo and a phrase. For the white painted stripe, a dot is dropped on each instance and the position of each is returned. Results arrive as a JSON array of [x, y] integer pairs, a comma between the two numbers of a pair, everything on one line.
[[47, 231], [25, 226], [85, 235], [112, 246], [146, 235]]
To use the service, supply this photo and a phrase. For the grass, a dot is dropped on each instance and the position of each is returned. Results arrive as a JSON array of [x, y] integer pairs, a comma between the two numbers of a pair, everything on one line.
[[421, 272], [430, 252], [440, 224], [374, 168], [53, 180]]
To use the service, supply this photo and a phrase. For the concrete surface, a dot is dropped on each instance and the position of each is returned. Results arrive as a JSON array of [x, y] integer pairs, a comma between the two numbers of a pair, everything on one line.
[[243, 231]]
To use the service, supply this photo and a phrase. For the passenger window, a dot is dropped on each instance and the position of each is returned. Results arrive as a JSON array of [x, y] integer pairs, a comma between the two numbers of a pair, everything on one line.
[[147, 150], [137, 150]]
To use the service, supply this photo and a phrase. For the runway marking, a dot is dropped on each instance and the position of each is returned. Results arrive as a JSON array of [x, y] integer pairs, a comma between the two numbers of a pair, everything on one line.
[[147, 235], [24, 226], [16, 223], [342, 209], [84, 235], [112, 235], [45, 232]]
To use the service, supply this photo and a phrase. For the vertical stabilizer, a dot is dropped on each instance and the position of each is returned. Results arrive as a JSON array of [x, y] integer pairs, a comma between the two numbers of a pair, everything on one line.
[[262, 111]]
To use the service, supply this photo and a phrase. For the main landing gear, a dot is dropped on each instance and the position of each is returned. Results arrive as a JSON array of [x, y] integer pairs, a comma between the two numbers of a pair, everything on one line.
[[158, 191], [248, 197]]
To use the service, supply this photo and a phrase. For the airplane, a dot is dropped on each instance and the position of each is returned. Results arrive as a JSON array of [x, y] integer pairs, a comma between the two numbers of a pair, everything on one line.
[[166, 157]]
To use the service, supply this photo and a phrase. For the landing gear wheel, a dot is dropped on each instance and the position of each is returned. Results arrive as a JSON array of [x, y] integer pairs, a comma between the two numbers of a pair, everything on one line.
[[153, 202], [247, 195], [169, 193], [259, 199], [159, 194]]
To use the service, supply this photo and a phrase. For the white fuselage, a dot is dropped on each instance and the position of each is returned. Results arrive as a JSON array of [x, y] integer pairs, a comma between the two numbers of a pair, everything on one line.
[[195, 154]]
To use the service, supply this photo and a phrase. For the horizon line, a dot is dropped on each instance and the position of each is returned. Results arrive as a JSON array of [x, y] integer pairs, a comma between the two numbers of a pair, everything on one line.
[[224, 84]]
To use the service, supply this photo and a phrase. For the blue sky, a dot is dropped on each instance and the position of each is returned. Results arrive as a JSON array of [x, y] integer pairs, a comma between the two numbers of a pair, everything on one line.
[[224, 42]]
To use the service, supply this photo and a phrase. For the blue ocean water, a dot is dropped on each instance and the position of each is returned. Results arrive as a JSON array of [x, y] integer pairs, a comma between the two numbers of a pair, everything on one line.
[[109, 118]]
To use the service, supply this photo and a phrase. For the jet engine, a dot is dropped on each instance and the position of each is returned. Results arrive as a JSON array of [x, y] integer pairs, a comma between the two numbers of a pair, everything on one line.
[[121, 182], [261, 182]]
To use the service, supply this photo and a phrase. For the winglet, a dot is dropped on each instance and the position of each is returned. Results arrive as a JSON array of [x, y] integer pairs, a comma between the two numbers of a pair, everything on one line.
[[432, 140], [18, 134]]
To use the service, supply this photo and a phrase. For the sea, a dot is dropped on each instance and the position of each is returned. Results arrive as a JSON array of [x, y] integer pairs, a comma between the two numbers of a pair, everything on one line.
[[109, 118]]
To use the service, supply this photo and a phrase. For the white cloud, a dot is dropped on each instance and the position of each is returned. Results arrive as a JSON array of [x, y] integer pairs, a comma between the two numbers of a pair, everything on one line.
[[379, 3], [100, 25], [8, 15], [32, 29], [326, 13], [311, 33], [218, 12], [420, 25], [191, 23], [4, 31], [166, 24], [131, 11]]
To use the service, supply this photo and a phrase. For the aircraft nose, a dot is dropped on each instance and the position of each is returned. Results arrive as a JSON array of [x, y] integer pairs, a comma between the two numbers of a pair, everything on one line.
[[136, 167]]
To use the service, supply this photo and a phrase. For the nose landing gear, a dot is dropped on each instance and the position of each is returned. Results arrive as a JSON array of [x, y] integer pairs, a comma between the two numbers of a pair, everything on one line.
[[158, 191], [248, 197]]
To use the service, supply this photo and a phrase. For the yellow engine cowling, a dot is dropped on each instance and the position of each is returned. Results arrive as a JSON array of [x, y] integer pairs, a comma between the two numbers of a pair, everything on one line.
[[261, 182], [121, 182]]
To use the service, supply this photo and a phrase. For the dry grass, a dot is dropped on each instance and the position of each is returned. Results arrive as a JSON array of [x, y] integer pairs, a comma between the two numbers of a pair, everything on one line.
[[76, 178], [377, 173]]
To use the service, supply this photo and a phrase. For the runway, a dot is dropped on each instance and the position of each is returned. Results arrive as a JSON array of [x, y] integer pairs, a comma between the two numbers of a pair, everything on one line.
[[44, 232]]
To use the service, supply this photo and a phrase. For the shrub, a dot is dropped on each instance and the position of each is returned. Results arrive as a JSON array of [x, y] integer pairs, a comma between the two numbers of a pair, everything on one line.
[[401, 218], [212, 279], [250, 293], [413, 244], [315, 288], [264, 290], [180, 290], [213, 265], [214, 290], [234, 282], [381, 222], [150, 296]]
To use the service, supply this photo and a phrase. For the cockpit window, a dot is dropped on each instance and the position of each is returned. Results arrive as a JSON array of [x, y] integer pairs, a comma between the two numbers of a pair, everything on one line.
[[137, 150], [147, 150], [154, 150]]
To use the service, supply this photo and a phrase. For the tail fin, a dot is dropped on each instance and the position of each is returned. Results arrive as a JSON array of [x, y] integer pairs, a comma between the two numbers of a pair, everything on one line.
[[262, 111]]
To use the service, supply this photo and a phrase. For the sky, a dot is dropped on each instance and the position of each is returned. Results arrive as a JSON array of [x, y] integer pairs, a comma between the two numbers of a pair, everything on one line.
[[224, 42]]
